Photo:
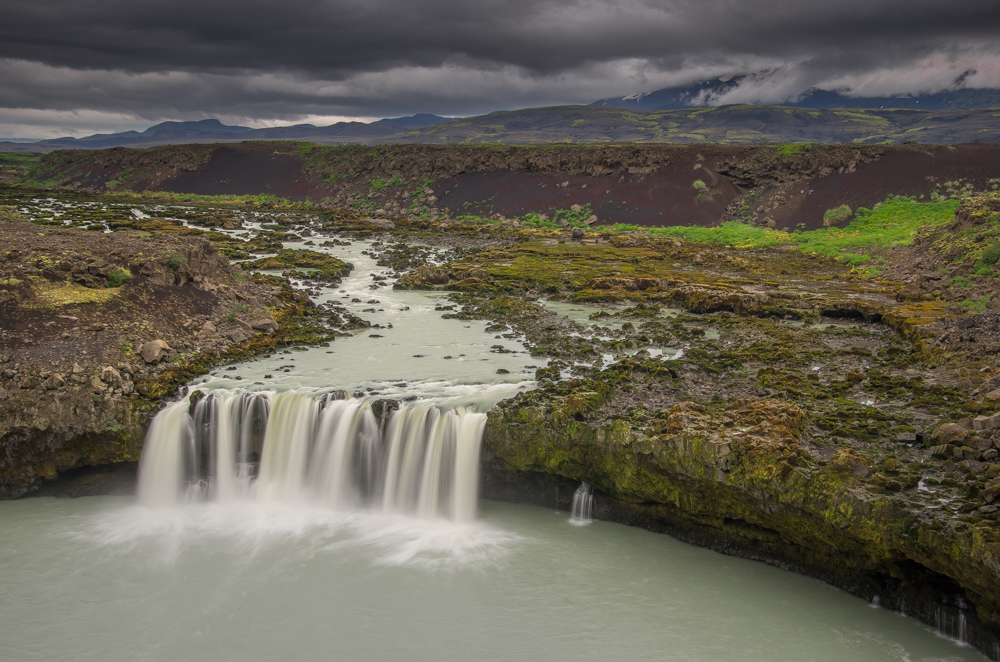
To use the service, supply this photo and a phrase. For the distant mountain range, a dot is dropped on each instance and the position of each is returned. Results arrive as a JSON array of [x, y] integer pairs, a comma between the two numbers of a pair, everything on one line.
[[712, 92], [677, 114], [212, 130], [723, 124]]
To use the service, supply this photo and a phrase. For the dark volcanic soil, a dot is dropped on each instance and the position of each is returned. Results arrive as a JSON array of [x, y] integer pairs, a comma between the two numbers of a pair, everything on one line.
[[664, 197], [782, 186], [919, 171], [236, 171]]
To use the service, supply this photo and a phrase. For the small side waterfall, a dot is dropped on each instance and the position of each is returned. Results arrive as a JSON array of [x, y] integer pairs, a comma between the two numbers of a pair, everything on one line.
[[583, 506], [304, 447]]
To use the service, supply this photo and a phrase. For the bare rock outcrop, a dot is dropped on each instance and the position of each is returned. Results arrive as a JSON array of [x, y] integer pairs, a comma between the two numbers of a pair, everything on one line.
[[155, 351], [77, 347]]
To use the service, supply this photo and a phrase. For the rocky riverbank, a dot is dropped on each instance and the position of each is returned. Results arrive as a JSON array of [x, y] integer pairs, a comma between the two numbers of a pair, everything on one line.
[[96, 327], [817, 419]]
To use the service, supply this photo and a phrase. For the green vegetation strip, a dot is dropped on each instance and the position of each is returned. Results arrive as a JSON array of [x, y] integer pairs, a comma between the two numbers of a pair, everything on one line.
[[893, 222]]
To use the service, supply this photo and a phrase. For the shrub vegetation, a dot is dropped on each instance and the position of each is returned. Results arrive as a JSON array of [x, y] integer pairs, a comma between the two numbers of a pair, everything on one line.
[[119, 277]]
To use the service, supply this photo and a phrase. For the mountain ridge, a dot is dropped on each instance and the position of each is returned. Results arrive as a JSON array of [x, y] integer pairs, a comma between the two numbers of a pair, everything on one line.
[[729, 124], [213, 130], [708, 92]]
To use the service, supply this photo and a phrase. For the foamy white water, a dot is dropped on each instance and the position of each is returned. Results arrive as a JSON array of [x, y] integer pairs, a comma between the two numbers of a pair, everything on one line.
[[313, 449]]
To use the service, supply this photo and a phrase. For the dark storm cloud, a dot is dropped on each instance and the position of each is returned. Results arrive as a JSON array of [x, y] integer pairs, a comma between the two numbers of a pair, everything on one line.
[[296, 58], [337, 39]]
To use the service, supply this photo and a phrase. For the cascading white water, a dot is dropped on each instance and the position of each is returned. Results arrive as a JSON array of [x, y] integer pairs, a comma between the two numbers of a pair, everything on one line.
[[583, 506], [161, 465], [314, 448]]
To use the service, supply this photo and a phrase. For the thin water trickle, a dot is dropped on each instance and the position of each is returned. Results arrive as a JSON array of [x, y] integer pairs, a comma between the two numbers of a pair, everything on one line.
[[583, 506]]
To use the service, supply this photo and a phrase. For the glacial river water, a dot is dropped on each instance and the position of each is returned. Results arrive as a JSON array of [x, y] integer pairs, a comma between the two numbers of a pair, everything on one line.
[[297, 574]]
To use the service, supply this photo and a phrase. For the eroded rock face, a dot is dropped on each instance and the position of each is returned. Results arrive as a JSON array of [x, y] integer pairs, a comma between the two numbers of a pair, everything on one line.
[[740, 479], [73, 357]]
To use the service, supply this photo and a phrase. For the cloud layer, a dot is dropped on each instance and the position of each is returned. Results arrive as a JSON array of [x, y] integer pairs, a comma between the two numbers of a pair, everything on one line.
[[266, 62]]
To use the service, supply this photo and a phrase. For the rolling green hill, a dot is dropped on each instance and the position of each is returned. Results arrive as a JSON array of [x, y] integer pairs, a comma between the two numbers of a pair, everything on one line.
[[723, 124]]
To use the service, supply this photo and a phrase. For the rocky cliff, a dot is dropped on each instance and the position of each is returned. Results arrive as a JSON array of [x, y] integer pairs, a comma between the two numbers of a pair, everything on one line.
[[782, 186], [95, 327], [739, 478], [832, 422]]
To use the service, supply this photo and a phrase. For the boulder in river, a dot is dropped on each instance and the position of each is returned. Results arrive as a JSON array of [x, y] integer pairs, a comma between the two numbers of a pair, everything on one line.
[[423, 277]]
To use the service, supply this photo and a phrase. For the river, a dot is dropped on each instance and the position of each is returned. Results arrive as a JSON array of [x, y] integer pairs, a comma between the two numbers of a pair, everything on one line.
[[359, 564]]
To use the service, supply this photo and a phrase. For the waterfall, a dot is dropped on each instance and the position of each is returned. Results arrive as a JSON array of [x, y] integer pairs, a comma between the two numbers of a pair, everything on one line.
[[314, 449], [583, 506], [161, 464]]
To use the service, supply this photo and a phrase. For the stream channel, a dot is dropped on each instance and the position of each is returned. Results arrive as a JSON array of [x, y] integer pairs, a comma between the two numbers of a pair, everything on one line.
[[283, 522]]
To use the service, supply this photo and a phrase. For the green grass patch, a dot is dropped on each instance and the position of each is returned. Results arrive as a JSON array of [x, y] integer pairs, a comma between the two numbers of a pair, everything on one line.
[[960, 281], [19, 159], [236, 310], [791, 149], [730, 233], [327, 267], [176, 261], [976, 305], [69, 293], [260, 200], [122, 178], [895, 222]]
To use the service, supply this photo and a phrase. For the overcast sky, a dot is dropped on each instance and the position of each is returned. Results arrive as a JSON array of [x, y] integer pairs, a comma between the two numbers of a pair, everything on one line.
[[75, 67]]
